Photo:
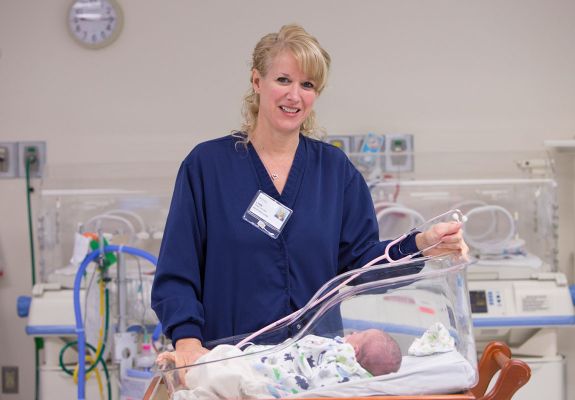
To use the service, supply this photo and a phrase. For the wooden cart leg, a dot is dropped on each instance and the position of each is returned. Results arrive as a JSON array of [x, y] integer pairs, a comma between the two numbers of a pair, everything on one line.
[[514, 373]]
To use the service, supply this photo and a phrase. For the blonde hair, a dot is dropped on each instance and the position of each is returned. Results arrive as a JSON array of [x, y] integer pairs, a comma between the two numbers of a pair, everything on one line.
[[311, 57]]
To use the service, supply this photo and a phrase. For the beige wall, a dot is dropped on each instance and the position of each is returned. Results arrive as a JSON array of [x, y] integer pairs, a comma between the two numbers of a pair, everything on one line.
[[459, 75]]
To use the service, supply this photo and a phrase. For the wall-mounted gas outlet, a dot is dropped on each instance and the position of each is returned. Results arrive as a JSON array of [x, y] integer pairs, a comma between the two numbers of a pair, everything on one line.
[[399, 152], [31, 155], [8, 159]]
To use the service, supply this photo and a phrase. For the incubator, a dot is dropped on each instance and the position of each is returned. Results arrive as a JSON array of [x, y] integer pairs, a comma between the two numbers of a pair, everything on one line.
[[422, 306], [518, 294], [510, 227], [80, 209], [128, 204]]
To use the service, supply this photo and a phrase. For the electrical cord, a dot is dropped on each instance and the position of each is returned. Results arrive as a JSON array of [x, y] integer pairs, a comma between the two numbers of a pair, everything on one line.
[[30, 189], [38, 342]]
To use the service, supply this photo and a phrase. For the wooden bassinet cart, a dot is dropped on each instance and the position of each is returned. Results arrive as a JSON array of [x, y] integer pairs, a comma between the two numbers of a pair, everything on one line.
[[496, 357]]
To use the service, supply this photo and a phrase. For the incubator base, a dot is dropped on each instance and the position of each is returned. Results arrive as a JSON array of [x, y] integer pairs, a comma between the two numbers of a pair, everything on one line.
[[57, 385], [548, 378], [542, 301]]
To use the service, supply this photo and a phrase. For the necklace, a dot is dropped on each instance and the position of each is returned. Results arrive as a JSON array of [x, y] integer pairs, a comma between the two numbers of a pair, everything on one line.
[[275, 176], [263, 157]]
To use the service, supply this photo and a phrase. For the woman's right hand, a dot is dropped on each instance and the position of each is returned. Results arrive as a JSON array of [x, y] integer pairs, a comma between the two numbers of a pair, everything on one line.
[[188, 351]]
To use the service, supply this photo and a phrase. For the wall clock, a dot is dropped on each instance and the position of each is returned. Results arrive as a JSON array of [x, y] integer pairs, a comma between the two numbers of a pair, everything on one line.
[[95, 23]]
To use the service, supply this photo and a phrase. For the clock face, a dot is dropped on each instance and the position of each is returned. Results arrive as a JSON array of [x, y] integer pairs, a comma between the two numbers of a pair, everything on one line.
[[95, 23]]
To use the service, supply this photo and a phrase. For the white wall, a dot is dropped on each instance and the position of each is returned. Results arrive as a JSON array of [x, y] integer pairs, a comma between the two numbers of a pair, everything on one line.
[[460, 75]]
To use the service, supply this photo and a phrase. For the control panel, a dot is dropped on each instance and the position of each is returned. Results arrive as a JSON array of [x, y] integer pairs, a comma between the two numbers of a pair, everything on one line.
[[543, 300]]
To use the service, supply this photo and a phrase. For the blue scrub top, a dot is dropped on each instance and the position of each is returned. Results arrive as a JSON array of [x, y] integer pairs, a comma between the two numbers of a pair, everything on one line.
[[219, 276]]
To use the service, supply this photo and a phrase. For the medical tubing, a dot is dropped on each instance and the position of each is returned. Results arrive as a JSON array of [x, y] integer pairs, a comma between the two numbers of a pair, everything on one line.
[[122, 323], [98, 379], [29, 190], [100, 351], [477, 244], [144, 308], [63, 366], [78, 311], [132, 214], [473, 204], [108, 383], [101, 344], [416, 217], [157, 332], [88, 289], [123, 220], [71, 373], [315, 300], [103, 333], [37, 345]]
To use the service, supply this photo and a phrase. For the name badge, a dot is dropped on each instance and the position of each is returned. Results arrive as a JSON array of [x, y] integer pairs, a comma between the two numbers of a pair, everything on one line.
[[267, 214]]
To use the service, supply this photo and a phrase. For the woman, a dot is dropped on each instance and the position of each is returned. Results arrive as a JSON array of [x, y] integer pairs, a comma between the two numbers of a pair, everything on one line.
[[262, 218]]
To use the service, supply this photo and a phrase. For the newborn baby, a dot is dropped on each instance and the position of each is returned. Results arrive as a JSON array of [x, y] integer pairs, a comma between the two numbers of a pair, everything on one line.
[[315, 361], [375, 351], [309, 363]]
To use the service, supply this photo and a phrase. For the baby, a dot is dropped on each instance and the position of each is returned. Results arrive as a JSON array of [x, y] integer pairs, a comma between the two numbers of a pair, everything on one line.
[[309, 363], [375, 351], [315, 361]]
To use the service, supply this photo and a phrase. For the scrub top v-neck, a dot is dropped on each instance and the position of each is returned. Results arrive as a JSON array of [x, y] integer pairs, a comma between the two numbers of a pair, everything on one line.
[[219, 276], [294, 179]]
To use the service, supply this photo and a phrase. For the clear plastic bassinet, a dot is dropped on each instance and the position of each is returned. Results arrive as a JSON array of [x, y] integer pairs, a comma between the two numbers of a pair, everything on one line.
[[422, 304]]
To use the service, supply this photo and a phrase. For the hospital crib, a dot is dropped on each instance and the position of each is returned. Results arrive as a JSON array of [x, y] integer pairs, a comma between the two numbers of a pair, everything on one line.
[[496, 357], [422, 304]]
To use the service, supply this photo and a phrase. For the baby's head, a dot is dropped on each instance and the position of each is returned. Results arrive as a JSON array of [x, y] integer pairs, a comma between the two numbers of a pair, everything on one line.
[[375, 351]]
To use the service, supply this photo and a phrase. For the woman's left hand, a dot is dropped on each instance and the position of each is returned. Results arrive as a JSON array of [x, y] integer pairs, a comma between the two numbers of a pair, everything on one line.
[[449, 235]]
